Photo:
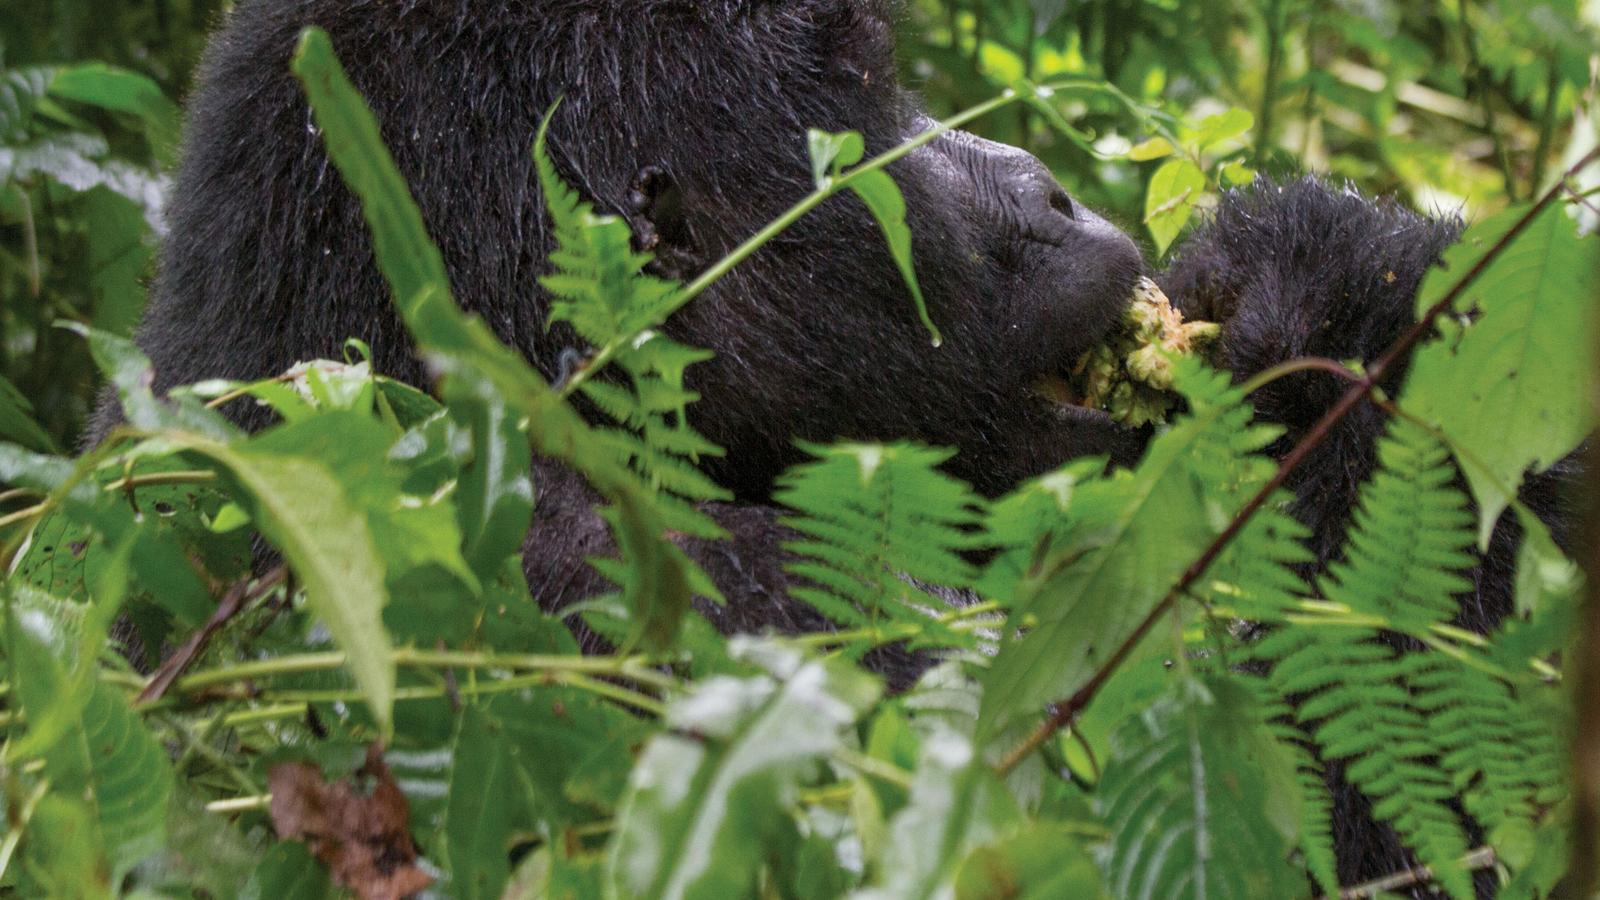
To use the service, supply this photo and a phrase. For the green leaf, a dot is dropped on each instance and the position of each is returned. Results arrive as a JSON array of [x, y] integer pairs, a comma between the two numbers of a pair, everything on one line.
[[1174, 190], [289, 872], [97, 749], [120, 90], [876, 522], [485, 794], [1123, 544], [1508, 387], [1045, 861], [494, 494], [706, 795], [1154, 148], [832, 152], [308, 513], [1199, 799], [1220, 128], [126, 367], [881, 195], [575, 750], [956, 805]]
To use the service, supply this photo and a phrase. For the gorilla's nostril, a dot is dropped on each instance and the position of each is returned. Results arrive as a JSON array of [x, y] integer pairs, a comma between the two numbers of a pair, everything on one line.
[[1062, 203]]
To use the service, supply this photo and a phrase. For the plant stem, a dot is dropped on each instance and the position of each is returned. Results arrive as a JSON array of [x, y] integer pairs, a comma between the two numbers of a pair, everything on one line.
[[635, 668], [1269, 83], [1547, 124], [1480, 81]]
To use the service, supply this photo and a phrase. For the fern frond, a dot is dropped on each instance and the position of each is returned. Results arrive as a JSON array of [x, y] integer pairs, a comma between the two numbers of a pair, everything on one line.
[[877, 523], [1506, 760], [1409, 542], [1403, 563], [1186, 798], [600, 288]]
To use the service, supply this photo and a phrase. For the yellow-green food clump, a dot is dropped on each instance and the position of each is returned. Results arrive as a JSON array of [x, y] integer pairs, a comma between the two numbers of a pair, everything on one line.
[[1129, 375]]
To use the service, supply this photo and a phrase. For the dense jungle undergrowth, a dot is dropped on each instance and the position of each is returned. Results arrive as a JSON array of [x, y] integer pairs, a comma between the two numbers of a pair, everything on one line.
[[388, 710]]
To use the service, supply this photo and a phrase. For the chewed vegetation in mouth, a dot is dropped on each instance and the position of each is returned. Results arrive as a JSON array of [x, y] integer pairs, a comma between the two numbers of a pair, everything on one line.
[[1129, 374]]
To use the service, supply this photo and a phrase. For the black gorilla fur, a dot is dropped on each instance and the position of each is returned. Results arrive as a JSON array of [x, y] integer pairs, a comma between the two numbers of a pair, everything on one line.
[[688, 118]]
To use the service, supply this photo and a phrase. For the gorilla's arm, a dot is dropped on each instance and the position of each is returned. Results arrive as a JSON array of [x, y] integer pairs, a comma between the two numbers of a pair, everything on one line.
[[1306, 269]]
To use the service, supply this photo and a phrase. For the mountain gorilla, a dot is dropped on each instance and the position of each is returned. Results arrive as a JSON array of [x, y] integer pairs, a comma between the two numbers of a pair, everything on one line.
[[688, 118]]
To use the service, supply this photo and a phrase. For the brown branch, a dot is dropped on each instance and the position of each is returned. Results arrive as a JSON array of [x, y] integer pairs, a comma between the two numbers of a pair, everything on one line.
[[1064, 711], [238, 597]]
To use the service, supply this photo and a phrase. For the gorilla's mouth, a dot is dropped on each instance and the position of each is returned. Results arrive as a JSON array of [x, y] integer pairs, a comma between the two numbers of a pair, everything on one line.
[[1126, 378]]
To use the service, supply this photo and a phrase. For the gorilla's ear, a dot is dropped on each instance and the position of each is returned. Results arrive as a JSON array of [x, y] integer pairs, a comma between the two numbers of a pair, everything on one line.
[[661, 224]]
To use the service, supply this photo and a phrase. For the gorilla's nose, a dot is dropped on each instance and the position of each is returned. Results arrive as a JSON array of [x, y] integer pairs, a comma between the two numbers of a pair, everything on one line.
[[1034, 190], [1061, 202]]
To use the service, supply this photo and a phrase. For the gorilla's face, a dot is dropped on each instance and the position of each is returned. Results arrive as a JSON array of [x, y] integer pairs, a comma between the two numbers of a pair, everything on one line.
[[816, 337], [689, 118]]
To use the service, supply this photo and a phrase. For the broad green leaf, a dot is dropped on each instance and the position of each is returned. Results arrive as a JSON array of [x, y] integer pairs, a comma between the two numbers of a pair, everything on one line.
[[1508, 385], [1154, 148], [494, 496], [1219, 128], [575, 750], [485, 793], [1125, 541], [1170, 200], [63, 852], [289, 872], [1200, 800], [881, 195], [706, 794], [1237, 174]]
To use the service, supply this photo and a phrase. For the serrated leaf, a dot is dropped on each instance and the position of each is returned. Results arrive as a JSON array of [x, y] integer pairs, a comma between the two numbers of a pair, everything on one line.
[[1508, 388]]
